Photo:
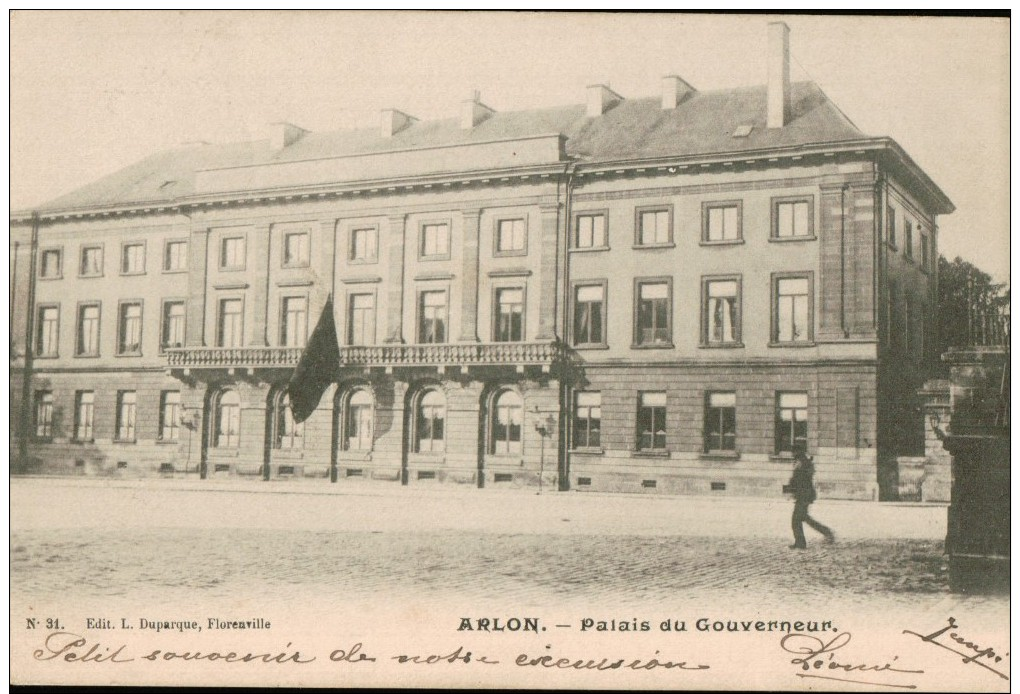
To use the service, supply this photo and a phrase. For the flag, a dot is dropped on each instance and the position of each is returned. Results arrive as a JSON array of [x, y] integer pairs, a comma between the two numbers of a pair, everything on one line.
[[317, 369]]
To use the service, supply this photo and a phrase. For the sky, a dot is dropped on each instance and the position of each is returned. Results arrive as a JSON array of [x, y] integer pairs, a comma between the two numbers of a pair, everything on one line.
[[92, 92]]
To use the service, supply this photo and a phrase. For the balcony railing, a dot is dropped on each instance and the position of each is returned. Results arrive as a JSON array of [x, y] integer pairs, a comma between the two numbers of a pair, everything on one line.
[[468, 354], [230, 357]]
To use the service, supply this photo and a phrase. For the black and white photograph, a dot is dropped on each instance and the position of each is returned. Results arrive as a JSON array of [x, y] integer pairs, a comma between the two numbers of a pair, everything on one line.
[[537, 350]]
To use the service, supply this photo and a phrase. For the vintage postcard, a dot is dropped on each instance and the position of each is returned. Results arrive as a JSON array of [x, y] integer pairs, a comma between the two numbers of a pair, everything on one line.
[[532, 350]]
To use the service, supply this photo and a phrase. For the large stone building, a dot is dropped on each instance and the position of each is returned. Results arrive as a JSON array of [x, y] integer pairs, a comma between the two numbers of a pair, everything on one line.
[[642, 294]]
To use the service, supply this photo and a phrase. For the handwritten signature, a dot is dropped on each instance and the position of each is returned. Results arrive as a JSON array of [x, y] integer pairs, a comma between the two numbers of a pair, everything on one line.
[[962, 646], [816, 656]]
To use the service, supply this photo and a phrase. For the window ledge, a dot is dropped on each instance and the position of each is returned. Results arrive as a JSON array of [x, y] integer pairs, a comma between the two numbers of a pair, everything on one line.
[[175, 272], [791, 239], [505, 458], [726, 242], [81, 442], [645, 246], [781, 457], [431, 258], [287, 454], [587, 451], [132, 274], [48, 279], [510, 254], [661, 345], [167, 442], [721, 456], [42, 439], [594, 345], [794, 345], [123, 442], [46, 356], [128, 354], [294, 266], [721, 345], [651, 454], [588, 249], [356, 455], [80, 356], [89, 277]]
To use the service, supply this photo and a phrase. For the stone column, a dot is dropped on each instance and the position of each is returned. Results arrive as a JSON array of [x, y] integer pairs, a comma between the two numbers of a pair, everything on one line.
[[470, 280], [261, 236], [547, 274], [198, 255], [395, 289]]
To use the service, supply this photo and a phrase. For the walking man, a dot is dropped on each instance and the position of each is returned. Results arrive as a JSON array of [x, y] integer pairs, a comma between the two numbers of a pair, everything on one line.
[[802, 486]]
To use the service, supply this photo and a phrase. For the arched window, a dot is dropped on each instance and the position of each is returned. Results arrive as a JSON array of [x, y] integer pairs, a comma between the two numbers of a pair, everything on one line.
[[359, 421], [227, 418], [505, 428], [287, 434], [430, 423]]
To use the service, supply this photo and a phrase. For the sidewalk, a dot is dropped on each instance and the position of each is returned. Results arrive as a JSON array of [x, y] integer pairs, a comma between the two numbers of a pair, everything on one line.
[[391, 508]]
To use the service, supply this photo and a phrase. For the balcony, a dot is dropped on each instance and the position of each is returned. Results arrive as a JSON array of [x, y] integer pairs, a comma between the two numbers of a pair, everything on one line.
[[517, 354]]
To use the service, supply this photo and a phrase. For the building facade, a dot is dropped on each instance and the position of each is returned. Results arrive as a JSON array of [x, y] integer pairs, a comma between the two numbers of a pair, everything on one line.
[[660, 294]]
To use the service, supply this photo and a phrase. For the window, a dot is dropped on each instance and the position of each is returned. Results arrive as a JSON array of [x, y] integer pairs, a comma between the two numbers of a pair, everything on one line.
[[231, 323], [587, 420], [509, 315], [511, 237], [653, 314], [359, 422], [721, 311], [791, 422], [295, 249], [792, 321], [654, 227], [651, 422], [361, 319], [925, 252], [908, 238], [432, 317], [792, 218], [720, 422], [51, 266], [47, 332], [227, 420], [175, 256], [589, 314], [91, 261], [126, 401], [87, 344], [890, 213], [294, 330], [43, 414], [232, 252], [130, 322], [84, 403], [170, 415], [364, 247], [505, 427], [430, 423], [288, 434], [590, 231], [435, 241], [132, 259], [173, 324], [906, 324], [720, 222]]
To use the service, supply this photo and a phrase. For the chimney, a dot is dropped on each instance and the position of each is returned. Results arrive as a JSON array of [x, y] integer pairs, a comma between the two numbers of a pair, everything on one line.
[[779, 75], [393, 121], [283, 134], [674, 91], [473, 111], [600, 99]]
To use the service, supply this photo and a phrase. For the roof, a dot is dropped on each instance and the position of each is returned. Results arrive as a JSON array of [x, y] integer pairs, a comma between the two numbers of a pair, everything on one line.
[[633, 129]]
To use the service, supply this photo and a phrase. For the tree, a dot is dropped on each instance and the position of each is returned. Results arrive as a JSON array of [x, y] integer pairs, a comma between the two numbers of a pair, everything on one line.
[[972, 310]]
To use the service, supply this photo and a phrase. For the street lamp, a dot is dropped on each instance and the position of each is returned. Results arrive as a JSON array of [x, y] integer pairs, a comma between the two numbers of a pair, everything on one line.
[[544, 428]]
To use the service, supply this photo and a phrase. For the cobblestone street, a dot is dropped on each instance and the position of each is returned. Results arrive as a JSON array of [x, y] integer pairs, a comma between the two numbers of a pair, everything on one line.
[[119, 538]]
